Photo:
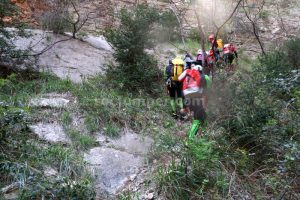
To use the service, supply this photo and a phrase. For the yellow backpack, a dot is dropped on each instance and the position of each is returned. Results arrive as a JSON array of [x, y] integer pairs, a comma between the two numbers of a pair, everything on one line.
[[220, 43], [178, 68]]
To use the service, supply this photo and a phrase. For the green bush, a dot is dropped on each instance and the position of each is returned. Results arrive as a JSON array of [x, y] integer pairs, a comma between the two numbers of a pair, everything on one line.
[[261, 118], [8, 51], [135, 70], [170, 28], [264, 14], [23, 157], [293, 54], [193, 172], [194, 35]]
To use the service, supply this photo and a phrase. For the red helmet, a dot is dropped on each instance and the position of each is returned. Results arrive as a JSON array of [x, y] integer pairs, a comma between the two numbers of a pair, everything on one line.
[[211, 37]]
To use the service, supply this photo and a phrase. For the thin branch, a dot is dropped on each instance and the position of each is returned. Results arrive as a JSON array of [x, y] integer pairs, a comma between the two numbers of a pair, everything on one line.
[[176, 46], [254, 27], [179, 22], [227, 20], [286, 190], [47, 48]]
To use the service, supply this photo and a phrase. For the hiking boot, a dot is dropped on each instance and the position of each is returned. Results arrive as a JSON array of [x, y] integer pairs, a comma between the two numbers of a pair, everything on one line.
[[182, 115], [174, 115]]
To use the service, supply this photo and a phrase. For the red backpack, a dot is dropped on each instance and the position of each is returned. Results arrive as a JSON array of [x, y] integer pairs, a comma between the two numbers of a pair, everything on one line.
[[192, 82]]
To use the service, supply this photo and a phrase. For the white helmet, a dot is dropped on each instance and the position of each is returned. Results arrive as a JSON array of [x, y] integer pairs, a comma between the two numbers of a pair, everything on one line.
[[200, 51], [197, 67]]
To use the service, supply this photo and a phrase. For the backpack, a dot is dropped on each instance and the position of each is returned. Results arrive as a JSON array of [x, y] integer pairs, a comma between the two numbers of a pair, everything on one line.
[[227, 49], [220, 43], [168, 71], [192, 82], [178, 68]]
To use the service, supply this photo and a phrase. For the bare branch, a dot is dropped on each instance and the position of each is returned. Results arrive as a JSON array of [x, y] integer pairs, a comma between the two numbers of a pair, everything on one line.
[[47, 48], [179, 22], [227, 20], [254, 26]]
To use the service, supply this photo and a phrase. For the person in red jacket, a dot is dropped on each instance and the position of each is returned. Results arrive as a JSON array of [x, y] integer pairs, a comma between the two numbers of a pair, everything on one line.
[[193, 86], [230, 53]]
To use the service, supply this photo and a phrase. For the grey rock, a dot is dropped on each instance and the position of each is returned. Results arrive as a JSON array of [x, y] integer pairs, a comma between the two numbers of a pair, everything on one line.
[[71, 59], [49, 171], [56, 102], [11, 196], [98, 42], [102, 139], [133, 143], [112, 169], [149, 196], [53, 133]]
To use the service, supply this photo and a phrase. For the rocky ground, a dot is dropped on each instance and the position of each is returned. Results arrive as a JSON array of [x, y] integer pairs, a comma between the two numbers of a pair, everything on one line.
[[117, 164]]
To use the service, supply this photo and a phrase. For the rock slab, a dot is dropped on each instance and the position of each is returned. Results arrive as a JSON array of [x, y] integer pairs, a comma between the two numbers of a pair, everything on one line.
[[56, 102], [112, 169], [53, 133]]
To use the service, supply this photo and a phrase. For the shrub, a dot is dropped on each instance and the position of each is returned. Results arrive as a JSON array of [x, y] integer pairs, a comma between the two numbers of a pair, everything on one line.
[[194, 35], [264, 14], [23, 158], [263, 113], [293, 54], [135, 70], [193, 172], [170, 29], [8, 52]]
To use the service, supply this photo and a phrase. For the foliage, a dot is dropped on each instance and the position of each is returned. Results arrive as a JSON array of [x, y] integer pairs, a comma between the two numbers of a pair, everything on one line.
[[23, 158], [194, 35], [264, 14], [109, 109], [170, 29], [292, 52], [8, 16], [136, 70], [263, 110], [193, 171]]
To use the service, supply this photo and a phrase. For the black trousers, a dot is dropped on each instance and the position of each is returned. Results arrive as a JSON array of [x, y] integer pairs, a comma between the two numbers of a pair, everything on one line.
[[175, 90], [195, 104]]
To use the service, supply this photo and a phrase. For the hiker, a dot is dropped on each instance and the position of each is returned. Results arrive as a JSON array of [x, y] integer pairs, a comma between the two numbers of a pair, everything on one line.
[[188, 61], [216, 45], [210, 62], [174, 86], [206, 84], [230, 53], [193, 85], [201, 58]]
